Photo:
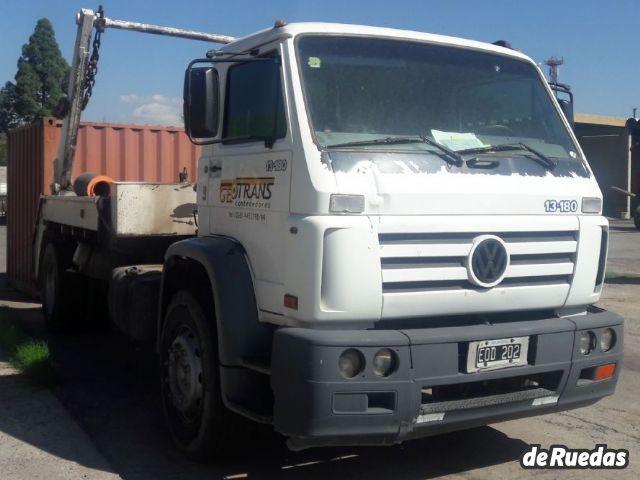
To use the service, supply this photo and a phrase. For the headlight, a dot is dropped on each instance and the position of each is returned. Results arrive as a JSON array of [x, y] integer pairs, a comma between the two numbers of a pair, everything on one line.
[[607, 339], [385, 362], [351, 363], [587, 342]]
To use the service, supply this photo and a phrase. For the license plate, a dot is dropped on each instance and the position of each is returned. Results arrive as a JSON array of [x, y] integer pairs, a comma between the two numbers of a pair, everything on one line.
[[494, 354]]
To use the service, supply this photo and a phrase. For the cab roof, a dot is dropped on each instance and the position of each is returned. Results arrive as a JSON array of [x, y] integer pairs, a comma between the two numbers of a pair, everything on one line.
[[292, 30]]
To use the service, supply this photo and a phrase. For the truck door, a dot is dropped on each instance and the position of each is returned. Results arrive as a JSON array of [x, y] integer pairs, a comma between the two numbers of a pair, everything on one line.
[[250, 183]]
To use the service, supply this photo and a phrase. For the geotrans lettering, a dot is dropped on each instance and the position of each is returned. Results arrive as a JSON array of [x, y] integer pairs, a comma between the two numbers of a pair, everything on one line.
[[247, 192]]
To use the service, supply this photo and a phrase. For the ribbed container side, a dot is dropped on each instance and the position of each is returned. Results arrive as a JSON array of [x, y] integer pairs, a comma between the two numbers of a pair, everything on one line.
[[122, 151], [133, 152]]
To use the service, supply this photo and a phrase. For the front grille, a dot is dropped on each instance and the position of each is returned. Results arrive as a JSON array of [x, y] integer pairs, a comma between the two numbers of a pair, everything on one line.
[[418, 262]]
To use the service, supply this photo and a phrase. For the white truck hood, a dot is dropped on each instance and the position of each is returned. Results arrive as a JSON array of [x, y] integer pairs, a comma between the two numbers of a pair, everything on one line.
[[419, 184]]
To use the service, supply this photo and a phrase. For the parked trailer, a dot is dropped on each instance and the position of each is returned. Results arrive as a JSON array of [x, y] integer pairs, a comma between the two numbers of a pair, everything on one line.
[[398, 235]]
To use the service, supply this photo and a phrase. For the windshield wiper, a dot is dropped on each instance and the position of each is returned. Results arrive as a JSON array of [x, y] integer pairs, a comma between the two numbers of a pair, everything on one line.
[[542, 159], [378, 141], [452, 154], [451, 157]]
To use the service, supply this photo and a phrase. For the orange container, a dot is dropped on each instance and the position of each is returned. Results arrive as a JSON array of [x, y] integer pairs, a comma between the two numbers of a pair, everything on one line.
[[120, 151]]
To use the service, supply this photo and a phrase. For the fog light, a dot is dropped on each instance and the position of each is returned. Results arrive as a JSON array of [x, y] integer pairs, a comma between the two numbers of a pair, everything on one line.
[[587, 342], [351, 363], [385, 362], [607, 339]]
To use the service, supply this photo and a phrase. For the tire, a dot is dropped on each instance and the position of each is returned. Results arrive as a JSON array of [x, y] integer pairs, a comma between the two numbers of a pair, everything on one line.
[[71, 302], [636, 219], [201, 426], [63, 293]]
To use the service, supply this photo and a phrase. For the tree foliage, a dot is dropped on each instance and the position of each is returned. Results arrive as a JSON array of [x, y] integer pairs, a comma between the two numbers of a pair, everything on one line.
[[40, 81], [8, 115], [3, 148]]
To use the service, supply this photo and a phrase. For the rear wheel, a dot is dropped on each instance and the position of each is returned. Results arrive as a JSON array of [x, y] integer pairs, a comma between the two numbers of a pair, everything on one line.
[[62, 292], [200, 424]]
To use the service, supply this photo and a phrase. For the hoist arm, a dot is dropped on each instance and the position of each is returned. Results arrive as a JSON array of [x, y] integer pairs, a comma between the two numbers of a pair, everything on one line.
[[82, 78], [67, 147]]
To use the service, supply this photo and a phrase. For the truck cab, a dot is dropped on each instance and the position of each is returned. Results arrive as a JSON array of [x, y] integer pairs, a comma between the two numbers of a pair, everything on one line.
[[421, 228]]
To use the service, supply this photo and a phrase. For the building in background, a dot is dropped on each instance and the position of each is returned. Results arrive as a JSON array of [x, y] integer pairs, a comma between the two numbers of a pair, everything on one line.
[[607, 144]]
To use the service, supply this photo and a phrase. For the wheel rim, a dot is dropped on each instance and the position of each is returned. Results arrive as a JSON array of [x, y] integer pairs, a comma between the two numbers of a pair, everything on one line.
[[184, 374]]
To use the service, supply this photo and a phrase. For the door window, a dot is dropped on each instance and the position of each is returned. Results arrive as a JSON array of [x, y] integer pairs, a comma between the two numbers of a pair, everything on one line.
[[254, 104]]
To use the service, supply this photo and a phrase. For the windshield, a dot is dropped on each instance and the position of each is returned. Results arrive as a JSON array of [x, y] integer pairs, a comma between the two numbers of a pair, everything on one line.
[[359, 89]]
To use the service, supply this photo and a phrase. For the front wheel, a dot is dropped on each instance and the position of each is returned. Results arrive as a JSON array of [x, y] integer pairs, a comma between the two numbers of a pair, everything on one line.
[[199, 422]]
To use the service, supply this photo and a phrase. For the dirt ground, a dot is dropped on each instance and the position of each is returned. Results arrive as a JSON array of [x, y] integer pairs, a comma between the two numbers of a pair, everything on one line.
[[109, 386]]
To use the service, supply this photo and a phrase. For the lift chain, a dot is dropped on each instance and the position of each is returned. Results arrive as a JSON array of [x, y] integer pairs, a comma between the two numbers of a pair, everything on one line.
[[92, 67]]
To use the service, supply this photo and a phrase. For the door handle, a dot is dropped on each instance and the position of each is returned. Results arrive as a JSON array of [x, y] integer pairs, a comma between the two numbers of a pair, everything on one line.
[[215, 169]]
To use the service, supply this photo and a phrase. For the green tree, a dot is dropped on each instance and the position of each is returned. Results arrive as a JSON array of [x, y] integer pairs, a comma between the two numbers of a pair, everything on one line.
[[8, 116], [3, 148], [40, 81]]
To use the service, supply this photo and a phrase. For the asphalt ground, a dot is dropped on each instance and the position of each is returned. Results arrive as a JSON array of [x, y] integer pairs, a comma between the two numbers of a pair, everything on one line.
[[39, 438], [109, 387]]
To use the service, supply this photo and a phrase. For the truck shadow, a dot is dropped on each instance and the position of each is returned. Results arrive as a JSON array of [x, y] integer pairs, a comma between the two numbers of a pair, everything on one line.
[[426, 458], [109, 386]]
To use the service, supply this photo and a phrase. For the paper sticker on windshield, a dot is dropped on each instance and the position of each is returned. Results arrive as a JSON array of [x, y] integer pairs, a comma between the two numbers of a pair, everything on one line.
[[457, 140], [314, 62]]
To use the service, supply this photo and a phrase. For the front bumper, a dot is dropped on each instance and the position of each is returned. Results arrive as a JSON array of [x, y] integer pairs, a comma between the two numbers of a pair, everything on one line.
[[430, 392]]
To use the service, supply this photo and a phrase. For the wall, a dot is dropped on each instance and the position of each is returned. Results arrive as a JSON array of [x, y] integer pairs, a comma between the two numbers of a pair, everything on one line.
[[124, 152]]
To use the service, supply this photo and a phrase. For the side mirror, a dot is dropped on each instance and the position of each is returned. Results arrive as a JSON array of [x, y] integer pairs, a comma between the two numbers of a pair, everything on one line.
[[633, 126], [201, 102], [567, 108], [566, 104]]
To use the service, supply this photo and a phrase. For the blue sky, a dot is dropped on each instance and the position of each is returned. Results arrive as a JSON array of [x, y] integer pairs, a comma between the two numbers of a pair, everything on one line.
[[140, 76]]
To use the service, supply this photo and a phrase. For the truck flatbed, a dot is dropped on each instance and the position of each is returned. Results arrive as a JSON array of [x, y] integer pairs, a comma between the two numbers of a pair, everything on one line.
[[136, 209]]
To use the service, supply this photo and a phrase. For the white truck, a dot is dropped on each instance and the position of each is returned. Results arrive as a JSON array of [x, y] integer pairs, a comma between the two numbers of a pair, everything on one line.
[[398, 235]]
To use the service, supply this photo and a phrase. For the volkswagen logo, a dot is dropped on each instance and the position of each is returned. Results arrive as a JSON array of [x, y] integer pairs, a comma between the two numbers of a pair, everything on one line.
[[488, 261]]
